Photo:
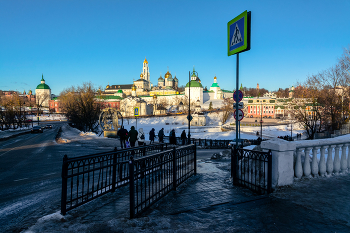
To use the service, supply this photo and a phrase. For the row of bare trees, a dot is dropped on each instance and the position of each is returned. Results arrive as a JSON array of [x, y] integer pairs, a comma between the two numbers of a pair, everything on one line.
[[80, 107], [329, 92], [12, 111]]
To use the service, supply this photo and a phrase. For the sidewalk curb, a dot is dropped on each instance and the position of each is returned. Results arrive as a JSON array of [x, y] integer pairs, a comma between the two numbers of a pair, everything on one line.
[[13, 136]]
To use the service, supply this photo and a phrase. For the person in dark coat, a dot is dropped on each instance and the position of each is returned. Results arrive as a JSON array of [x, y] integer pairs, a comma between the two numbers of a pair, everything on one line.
[[183, 137], [132, 136], [123, 135], [172, 137], [152, 135], [161, 135]]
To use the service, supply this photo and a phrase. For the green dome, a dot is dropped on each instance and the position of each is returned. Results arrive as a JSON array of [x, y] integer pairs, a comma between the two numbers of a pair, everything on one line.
[[160, 79], [194, 84], [43, 86], [119, 91], [175, 79], [214, 85]]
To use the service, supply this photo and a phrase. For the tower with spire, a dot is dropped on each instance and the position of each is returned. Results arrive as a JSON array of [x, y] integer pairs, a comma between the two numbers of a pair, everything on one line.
[[42, 93], [216, 89], [145, 72], [194, 88]]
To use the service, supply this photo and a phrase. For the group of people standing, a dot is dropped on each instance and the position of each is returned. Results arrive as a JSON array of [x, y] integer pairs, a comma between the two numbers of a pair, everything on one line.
[[129, 138]]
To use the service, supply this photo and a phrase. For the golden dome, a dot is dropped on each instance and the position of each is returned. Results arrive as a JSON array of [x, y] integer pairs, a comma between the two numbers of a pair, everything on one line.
[[215, 77], [133, 87], [141, 75], [167, 75], [145, 61], [107, 86]]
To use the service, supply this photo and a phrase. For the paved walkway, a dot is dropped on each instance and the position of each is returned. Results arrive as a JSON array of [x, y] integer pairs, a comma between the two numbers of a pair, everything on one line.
[[208, 202]]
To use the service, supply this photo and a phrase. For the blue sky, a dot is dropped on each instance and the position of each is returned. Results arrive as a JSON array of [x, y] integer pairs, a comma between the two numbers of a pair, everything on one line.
[[105, 42]]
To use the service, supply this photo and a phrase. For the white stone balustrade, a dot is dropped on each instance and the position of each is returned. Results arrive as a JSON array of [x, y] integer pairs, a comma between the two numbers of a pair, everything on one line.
[[308, 158], [315, 165]]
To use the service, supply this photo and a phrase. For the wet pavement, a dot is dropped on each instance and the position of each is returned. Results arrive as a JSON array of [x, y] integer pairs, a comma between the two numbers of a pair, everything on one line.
[[208, 202], [211, 186]]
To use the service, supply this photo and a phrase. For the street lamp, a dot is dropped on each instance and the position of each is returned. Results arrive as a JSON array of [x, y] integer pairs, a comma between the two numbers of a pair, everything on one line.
[[261, 121], [155, 104], [194, 73]]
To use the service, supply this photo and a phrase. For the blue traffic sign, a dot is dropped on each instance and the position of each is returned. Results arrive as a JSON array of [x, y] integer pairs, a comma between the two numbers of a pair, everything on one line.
[[240, 96], [136, 111], [238, 33]]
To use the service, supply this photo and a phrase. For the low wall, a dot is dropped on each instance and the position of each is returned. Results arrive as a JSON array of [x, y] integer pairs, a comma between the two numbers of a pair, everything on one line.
[[309, 158]]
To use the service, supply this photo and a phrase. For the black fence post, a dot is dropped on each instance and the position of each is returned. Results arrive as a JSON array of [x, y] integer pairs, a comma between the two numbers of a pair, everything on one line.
[[114, 175], [131, 187], [234, 164], [64, 185], [195, 159], [174, 169], [269, 172]]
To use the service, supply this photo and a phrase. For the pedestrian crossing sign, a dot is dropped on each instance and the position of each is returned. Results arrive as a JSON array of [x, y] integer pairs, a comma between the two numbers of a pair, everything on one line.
[[136, 111], [238, 33]]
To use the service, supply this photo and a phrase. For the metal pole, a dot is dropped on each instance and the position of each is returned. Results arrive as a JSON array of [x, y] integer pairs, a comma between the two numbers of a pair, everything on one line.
[[64, 185], [261, 120], [237, 81], [189, 106], [131, 187]]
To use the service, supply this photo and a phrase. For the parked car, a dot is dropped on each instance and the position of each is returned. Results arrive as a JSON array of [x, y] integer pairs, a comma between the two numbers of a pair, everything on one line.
[[48, 127], [37, 129], [241, 141]]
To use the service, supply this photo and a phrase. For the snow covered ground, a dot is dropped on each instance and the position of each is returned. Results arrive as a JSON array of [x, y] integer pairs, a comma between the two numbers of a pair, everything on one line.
[[218, 219], [211, 131]]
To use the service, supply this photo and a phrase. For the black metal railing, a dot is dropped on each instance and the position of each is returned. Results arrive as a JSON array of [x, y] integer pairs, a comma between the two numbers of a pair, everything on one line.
[[215, 144], [154, 176], [252, 169], [87, 177], [205, 143]]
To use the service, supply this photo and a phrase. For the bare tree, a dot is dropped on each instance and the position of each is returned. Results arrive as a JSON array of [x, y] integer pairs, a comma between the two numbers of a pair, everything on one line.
[[344, 62], [324, 87], [80, 106], [311, 117], [282, 93], [227, 109], [40, 100]]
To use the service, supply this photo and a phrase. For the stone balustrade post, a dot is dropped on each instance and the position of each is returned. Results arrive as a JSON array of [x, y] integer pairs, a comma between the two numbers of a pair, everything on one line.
[[282, 161], [322, 164], [343, 162], [330, 160], [336, 164], [314, 164], [306, 165], [298, 169]]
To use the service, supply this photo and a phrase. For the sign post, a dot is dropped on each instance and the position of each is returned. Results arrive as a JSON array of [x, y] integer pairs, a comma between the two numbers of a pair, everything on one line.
[[238, 41], [136, 114]]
